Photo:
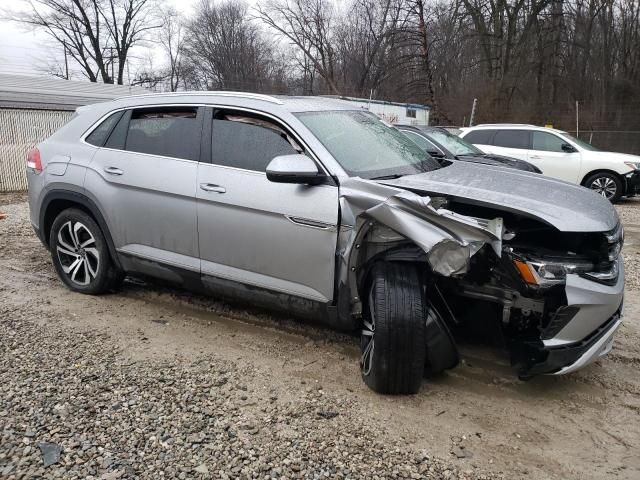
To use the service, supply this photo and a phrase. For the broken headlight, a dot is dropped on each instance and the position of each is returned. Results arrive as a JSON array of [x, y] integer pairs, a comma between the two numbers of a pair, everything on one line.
[[615, 241], [549, 272], [552, 272]]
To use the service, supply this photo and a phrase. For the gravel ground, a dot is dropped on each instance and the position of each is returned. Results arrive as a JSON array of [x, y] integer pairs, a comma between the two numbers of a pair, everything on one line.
[[76, 394], [159, 383], [201, 418], [629, 211]]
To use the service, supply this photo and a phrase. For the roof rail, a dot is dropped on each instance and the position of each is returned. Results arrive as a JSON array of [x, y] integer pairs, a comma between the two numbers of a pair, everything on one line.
[[505, 125], [217, 93]]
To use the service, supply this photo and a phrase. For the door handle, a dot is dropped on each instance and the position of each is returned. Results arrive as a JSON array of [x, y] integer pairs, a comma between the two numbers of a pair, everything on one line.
[[113, 171], [211, 187], [535, 157]]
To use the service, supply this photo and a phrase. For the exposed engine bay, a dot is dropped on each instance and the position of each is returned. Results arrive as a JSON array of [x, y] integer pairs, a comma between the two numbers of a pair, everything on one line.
[[490, 273]]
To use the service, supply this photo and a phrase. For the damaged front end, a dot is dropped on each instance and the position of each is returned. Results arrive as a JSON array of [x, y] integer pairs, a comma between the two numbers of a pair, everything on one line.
[[553, 298]]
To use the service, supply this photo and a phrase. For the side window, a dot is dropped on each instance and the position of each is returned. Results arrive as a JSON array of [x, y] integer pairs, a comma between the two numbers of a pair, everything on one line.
[[248, 142], [168, 131], [483, 137], [102, 131], [512, 139], [119, 134], [547, 142], [419, 140]]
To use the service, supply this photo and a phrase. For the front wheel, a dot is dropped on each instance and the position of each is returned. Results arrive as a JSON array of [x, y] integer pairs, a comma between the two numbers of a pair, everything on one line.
[[606, 184], [393, 349]]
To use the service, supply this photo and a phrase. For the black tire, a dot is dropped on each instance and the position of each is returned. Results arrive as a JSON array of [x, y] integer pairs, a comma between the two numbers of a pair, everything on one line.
[[604, 183], [80, 254], [393, 352]]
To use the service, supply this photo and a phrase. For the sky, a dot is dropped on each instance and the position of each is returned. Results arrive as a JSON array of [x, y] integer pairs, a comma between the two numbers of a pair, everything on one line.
[[26, 52]]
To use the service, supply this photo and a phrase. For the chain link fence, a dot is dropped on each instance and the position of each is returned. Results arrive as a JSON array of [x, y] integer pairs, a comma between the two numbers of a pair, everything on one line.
[[612, 140], [20, 130]]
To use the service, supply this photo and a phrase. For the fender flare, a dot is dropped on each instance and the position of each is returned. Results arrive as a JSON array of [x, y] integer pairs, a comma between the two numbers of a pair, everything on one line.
[[84, 202]]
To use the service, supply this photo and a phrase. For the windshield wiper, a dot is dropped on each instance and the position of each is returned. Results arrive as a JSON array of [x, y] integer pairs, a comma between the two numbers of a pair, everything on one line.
[[388, 177]]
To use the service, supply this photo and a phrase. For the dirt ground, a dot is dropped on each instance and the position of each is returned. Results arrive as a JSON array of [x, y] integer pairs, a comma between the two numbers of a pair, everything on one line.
[[584, 425]]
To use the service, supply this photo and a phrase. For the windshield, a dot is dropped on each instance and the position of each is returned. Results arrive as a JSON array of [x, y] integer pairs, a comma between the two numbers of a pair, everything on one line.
[[366, 147], [454, 144], [581, 143]]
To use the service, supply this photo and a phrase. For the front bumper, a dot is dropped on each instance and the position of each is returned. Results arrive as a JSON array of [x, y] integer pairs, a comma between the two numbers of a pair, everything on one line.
[[585, 337], [599, 347], [632, 181]]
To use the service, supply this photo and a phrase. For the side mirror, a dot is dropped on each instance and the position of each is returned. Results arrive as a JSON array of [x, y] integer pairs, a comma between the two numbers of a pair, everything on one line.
[[294, 169], [568, 148], [435, 154]]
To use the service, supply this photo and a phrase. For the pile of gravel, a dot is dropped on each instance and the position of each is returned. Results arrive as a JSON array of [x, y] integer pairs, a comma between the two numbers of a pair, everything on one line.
[[71, 398], [629, 212]]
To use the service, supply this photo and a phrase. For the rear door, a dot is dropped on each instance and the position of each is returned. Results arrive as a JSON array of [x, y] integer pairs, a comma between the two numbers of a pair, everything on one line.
[[481, 138], [512, 143], [143, 179], [547, 154], [275, 236]]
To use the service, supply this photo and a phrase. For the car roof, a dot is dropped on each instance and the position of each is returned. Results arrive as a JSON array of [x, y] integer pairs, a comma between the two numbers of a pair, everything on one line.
[[511, 126], [293, 104]]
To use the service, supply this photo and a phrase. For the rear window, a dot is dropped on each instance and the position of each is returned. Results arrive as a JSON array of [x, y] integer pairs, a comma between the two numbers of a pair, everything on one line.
[[102, 131], [483, 137], [512, 139], [168, 132]]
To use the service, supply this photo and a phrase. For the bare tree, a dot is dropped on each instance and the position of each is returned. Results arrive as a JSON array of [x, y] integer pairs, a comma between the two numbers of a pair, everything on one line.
[[95, 33], [172, 40], [308, 24], [230, 50]]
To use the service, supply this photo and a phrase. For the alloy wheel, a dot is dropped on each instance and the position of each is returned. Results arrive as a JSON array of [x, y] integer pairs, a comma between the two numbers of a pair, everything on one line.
[[605, 186], [367, 341], [77, 252]]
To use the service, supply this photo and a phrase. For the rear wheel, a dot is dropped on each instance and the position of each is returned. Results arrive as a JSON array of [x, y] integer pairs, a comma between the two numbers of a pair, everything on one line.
[[606, 184], [393, 349], [80, 254]]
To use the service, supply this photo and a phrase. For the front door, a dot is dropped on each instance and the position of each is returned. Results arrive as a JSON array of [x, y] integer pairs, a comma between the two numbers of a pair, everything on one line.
[[548, 155], [276, 236]]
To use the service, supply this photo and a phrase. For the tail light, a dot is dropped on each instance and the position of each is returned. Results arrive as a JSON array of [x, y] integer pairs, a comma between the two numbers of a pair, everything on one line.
[[33, 160]]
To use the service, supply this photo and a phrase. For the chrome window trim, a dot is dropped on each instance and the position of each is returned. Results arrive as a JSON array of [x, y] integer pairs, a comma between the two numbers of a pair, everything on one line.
[[295, 134]]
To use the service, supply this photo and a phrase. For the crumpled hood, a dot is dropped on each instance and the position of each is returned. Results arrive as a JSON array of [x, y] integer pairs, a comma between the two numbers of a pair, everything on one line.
[[567, 207]]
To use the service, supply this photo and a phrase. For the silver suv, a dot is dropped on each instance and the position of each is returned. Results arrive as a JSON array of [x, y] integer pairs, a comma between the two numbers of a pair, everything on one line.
[[312, 206]]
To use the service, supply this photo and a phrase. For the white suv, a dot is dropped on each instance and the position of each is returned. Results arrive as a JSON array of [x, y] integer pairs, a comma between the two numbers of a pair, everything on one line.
[[562, 156]]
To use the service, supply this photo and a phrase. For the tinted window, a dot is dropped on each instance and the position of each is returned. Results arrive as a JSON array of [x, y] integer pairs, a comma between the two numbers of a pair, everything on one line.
[[512, 139], [483, 137], [547, 142], [102, 131], [169, 132], [249, 143], [119, 134]]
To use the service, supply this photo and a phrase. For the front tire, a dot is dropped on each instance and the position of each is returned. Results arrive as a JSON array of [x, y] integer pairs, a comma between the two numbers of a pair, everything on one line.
[[80, 254], [606, 184], [393, 348]]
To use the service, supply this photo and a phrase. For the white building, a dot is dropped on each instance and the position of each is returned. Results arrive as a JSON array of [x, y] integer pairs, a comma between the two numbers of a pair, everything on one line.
[[393, 112]]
